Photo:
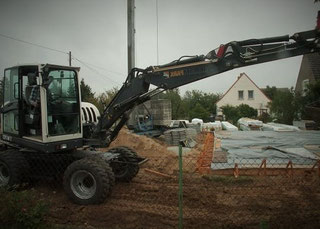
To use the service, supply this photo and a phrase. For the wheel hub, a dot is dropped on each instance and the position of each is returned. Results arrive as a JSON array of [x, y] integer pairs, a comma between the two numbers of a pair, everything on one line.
[[83, 184]]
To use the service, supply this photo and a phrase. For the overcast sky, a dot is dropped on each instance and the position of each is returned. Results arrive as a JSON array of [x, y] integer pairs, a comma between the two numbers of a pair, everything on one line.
[[95, 31]]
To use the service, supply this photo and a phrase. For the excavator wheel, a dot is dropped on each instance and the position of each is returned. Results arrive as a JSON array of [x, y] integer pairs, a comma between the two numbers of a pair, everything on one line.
[[88, 181], [13, 168], [125, 168], [105, 164], [134, 155]]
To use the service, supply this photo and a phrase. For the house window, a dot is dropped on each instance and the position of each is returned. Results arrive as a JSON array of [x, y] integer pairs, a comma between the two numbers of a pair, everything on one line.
[[250, 94], [240, 95]]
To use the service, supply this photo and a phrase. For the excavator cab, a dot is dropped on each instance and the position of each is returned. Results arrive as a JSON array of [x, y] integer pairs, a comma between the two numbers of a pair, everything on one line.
[[41, 107]]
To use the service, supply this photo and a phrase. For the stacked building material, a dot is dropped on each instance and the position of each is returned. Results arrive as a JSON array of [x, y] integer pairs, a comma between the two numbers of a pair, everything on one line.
[[161, 112], [279, 127], [208, 126], [159, 109], [306, 125], [194, 126], [250, 124], [228, 126], [175, 136], [197, 120]]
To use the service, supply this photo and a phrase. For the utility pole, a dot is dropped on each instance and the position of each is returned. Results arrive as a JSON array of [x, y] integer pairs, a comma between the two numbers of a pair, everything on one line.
[[131, 35], [69, 58]]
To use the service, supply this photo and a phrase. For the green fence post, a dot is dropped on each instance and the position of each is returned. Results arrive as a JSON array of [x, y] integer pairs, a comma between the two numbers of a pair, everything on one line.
[[180, 189]]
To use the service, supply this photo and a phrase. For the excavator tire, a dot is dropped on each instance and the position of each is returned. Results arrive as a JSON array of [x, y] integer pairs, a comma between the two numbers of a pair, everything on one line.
[[105, 164], [13, 168], [87, 181], [124, 168], [134, 155]]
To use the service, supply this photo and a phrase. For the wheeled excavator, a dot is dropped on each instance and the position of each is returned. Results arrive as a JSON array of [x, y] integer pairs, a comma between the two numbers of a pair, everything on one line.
[[46, 137]]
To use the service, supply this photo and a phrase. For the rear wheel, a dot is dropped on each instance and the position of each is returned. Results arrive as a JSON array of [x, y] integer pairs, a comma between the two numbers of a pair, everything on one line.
[[12, 168], [125, 167], [87, 181]]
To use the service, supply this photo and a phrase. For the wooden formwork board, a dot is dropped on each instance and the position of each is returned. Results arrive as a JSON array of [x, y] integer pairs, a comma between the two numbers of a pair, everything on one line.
[[263, 169]]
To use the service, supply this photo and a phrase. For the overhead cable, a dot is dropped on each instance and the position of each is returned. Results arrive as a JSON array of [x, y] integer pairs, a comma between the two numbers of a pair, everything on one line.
[[30, 43], [56, 50], [94, 70]]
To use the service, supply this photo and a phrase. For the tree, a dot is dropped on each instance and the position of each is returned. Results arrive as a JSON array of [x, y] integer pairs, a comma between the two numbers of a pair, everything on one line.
[[270, 91], [86, 92], [313, 93], [71, 89], [310, 102], [194, 104], [197, 101], [102, 100], [199, 111], [285, 106]]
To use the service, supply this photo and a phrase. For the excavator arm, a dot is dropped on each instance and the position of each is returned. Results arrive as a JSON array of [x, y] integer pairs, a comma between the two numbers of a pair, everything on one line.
[[188, 69]]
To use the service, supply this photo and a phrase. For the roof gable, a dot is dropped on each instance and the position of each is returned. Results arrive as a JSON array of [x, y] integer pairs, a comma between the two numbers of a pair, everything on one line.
[[244, 76]]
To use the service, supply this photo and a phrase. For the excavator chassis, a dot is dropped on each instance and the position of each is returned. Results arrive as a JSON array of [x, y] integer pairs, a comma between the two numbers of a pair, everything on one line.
[[88, 176]]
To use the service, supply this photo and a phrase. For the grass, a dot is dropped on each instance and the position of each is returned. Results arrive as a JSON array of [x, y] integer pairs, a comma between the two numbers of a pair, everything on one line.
[[22, 209], [229, 180]]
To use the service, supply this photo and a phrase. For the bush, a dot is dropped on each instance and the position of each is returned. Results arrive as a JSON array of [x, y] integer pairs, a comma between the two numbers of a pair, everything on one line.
[[245, 110], [233, 114], [265, 117], [22, 209]]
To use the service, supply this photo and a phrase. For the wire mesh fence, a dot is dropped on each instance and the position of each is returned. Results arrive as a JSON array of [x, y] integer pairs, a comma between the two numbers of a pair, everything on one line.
[[249, 193]]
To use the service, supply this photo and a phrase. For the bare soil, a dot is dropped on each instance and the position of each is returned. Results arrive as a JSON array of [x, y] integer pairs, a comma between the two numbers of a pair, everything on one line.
[[210, 201]]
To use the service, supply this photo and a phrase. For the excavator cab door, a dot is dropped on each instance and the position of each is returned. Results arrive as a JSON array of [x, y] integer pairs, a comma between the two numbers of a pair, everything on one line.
[[63, 103], [20, 116], [10, 109]]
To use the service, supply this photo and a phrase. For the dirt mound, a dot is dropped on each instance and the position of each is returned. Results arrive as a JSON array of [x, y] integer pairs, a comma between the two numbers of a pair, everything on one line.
[[160, 158], [144, 146]]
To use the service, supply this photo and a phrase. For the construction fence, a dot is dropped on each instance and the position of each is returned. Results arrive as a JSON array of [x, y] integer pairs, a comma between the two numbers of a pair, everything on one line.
[[202, 187]]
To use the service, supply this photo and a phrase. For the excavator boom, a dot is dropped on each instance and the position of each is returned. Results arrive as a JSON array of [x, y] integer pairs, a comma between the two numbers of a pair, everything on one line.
[[188, 69]]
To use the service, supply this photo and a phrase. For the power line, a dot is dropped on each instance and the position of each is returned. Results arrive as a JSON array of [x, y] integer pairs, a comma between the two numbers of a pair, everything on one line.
[[114, 72], [94, 70], [56, 50], [30, 43]]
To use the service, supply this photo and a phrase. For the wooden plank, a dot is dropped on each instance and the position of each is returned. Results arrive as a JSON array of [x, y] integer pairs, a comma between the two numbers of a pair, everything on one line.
[[158, 173]]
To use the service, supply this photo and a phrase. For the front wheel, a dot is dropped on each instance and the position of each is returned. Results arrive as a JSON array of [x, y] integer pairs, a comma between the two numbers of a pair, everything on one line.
[[87, 181], [12, 168]]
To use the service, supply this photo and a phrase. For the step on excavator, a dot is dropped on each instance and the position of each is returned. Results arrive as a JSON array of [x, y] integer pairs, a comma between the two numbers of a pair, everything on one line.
[[43, 135]]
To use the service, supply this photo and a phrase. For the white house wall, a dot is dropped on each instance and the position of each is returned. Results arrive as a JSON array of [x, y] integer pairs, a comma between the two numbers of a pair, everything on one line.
[[259, 101]]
